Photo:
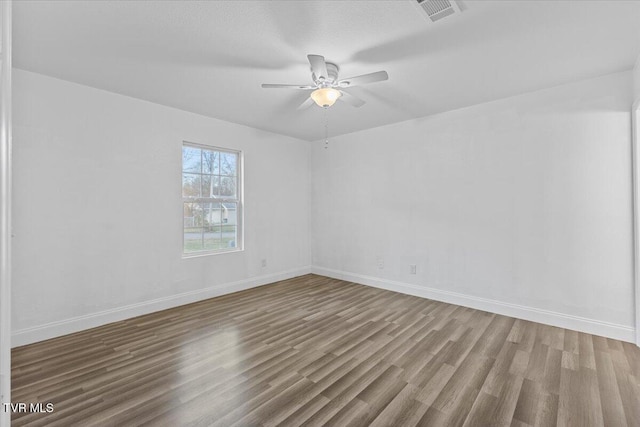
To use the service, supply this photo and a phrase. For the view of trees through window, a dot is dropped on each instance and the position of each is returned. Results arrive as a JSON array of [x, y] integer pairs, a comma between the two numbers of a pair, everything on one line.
[[211, 203]]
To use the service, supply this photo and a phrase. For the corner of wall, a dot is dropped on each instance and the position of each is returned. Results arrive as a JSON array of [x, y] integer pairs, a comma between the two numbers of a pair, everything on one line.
[[532, 314], [93, 320], [636, 80]]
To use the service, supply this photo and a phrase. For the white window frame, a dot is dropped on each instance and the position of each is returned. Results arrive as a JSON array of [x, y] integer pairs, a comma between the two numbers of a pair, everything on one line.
[[239, 200]]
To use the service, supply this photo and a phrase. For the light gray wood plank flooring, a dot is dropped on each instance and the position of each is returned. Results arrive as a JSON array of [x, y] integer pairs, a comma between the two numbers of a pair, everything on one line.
[[319, 351]]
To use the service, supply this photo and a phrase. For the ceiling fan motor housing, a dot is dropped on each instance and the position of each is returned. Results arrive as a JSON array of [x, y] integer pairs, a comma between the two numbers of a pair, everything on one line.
[[332, 75]]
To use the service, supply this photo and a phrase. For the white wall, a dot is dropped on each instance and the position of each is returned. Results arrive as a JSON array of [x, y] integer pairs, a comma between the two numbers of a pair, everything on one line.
[[520, 206], [636, 80], [98, 214]]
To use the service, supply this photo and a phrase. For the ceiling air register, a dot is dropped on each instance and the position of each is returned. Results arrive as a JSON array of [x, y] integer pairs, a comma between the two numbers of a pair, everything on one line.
[[438, 9]]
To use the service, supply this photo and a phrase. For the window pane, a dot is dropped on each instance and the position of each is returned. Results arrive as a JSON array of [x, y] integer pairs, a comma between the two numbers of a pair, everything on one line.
[[190, 185], [227, 228], [230, 225], [191, 161], [228, 164], [228, 186], [193, 222], [226, 239], [230, 213], [193, 240], [229, 236], [192, 216], [212, 216], [212, 241], [210, 186], [211, 162]]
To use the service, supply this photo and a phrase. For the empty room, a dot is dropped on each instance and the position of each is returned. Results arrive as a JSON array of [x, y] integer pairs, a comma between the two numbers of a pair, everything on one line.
[[340, 213]]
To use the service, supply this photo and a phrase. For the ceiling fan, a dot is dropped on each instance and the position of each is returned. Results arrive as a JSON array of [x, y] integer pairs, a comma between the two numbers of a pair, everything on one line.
[[326, 87]]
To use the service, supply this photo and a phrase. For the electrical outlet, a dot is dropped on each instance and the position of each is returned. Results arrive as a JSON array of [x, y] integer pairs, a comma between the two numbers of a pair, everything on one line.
[[412, 269], [264, 263], [380, 263]]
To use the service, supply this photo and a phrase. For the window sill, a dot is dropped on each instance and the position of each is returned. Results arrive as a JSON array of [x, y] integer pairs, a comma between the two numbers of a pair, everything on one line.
[[202, 254]]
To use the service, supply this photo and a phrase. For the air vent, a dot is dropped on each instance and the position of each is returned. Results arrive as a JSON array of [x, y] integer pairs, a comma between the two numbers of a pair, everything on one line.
[[438, 9]]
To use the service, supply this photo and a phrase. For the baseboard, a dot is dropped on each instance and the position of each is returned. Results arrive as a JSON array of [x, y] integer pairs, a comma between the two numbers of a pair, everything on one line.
[[562, 320], [79, 323], [87, 321]]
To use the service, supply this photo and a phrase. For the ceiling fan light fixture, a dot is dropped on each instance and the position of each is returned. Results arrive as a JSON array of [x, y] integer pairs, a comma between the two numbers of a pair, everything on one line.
[[327, 88], [326, 96]]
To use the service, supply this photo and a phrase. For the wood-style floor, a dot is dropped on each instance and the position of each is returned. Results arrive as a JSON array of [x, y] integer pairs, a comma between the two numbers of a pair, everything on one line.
[[319, 351]]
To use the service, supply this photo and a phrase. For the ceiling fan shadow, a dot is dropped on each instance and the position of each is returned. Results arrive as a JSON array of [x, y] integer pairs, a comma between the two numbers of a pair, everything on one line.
[[401, 101], [205, 58], [439, 38], [286, 105], [295, 23]]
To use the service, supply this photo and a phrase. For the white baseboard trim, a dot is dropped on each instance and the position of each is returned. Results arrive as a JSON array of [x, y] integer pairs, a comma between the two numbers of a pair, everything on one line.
[[553, 318], [87, 321]]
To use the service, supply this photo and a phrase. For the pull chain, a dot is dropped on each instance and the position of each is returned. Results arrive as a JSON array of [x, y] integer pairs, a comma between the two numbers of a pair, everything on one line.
[[326, 128]]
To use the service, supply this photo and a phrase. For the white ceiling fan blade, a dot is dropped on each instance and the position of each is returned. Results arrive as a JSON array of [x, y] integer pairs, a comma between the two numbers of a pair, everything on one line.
[[306, 104], [352, 100], [364, 79], [277, 86], [318, 66]]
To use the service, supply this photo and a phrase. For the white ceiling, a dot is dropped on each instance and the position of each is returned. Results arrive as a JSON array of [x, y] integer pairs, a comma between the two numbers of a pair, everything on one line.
[[210, 57]]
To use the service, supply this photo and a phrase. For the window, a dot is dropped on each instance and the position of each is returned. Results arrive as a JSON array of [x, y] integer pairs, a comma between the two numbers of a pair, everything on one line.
[[212, 203]]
